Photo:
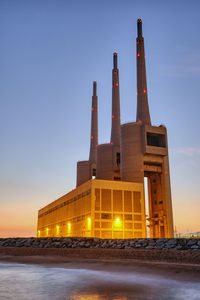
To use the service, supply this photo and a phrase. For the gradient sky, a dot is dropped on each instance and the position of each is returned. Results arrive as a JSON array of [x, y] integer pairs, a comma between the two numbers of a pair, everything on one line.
[[50, 52]]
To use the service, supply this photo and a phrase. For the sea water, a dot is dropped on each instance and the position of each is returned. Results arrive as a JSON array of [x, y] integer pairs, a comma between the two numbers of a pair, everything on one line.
[[31, 282]]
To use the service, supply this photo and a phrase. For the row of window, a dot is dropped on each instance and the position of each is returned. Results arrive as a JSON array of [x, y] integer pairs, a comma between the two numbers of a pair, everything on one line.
[[65, 203]]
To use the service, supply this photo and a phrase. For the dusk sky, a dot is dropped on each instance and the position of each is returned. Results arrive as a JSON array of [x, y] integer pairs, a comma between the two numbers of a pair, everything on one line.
[[50, 53]]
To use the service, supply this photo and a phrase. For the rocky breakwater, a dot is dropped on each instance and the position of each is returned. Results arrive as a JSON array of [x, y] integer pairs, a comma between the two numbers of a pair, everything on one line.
[[76, 242]]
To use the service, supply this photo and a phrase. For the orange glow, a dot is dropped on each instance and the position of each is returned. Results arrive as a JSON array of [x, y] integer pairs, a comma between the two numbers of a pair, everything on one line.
[[38, 233], [57, 229], [138, 54], [113, 116], [117, 222], [117, 84], [68, 227], [47, 231], [89, 223], [111, 143], [91, 137], [144, 91]]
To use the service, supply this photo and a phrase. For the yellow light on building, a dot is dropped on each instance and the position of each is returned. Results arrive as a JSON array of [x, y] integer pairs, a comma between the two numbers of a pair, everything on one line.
[[47, 231], [57, 229], [89, 223], [69, 227], [117, 222], [38, 233]]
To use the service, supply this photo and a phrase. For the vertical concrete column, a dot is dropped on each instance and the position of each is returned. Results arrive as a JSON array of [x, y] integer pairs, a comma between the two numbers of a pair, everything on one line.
[[167, 197], [115, 130], [94, 126], [142, 98]]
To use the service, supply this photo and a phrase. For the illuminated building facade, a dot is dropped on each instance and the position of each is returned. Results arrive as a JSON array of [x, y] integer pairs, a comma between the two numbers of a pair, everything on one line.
[[108, 201]]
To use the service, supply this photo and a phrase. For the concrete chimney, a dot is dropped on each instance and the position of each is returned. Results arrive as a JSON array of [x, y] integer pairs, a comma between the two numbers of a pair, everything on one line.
[[115, 131], [94, 126], [143, 115]]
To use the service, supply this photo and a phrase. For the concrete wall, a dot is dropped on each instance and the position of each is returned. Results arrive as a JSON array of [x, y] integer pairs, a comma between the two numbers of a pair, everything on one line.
[[131, 153], [105, 162], [83, 172]]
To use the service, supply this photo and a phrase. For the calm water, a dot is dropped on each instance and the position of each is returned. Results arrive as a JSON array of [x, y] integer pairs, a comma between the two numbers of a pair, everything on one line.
[[20, 281]]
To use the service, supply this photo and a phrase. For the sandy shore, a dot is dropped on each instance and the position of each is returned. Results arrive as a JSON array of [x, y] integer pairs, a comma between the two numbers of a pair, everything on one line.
[[184, 265]]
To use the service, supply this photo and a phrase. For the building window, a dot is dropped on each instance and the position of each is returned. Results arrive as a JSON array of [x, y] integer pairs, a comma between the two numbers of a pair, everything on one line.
[[94, 172], [156, 140], [118, 158]]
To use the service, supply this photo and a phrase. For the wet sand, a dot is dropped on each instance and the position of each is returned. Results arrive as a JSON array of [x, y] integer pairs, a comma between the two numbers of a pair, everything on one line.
[[183, 265]]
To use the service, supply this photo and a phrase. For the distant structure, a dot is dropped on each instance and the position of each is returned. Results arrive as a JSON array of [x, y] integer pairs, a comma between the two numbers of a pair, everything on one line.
[[188, 235], [108, 201]]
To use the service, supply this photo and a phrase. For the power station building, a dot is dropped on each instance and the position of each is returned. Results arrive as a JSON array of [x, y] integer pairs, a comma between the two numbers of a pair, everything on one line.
[[109, 201]]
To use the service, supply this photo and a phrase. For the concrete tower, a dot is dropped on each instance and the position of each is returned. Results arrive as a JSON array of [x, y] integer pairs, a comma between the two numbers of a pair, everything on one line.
[[108, 155], [94, 130], [115, 129], [144, 153], [87, 169], [142, 98]]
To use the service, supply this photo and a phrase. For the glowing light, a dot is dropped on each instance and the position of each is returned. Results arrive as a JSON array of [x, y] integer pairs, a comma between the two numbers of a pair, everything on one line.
[[144, 91], [57, 229], [38, 233], [91, 137], [138, 54], [111, 143], [69, 227], [140, 121], [92, 108], [117, 222], [113, 116], [117, 84], [47, 231], [89, 223]]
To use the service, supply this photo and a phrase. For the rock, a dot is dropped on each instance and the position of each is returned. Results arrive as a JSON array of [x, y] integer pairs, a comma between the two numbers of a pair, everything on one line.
[[179, 247], [182, 242], [195, 247], [191, 242]]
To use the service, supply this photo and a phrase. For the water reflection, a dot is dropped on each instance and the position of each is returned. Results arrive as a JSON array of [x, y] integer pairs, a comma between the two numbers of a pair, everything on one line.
[[46, 283], [95, 297]]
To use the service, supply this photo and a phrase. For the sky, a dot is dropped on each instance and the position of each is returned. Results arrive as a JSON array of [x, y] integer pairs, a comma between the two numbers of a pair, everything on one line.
[[50, 53]]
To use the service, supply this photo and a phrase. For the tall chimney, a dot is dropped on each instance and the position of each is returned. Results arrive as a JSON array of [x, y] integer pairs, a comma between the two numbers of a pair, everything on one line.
[[94, 126], [115, 131], [142, 98]]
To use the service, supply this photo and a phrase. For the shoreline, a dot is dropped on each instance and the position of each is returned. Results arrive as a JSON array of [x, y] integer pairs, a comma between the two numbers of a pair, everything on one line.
[[170, 256], [177, 265]]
